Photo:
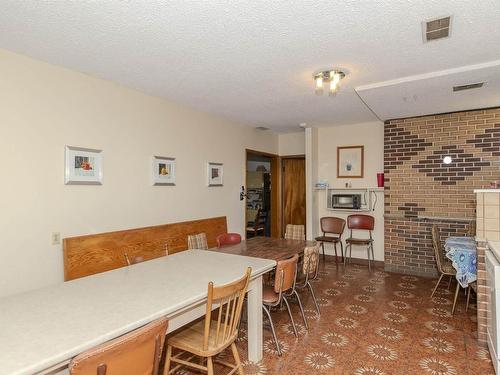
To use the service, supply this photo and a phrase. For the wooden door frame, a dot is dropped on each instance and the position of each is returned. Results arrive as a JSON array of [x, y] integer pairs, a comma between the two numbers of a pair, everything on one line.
[[276, 209], [282, 190]]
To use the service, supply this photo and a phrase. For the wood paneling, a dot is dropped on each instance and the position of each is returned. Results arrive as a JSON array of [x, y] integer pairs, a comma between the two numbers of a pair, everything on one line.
[[294, 191], [91, 254]]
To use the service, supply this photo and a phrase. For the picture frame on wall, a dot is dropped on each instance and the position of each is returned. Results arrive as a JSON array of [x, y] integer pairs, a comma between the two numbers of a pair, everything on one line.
[[215, 173], [83, 166], [350, 161], [163, 171]]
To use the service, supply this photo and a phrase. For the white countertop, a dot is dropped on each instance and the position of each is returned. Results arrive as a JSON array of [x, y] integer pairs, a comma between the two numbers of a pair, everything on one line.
[[495, 248], [41, 328], [487, 191]]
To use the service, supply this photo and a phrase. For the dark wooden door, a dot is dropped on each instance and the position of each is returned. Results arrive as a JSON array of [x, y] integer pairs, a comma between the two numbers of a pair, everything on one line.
[[294, 191]]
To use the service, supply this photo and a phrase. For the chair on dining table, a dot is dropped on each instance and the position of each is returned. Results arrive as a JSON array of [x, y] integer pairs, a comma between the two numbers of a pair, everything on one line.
[[198, 241], [228, 239], [209, 337], [137, 352], [332, 228], [310, 268], [273, 295], [134, 260], [295, 232]]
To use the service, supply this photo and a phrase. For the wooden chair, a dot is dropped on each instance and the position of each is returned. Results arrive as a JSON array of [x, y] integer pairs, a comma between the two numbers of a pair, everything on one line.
[[295, 232], [360, 222], [258, 225], [310, 268], [137, 352], [208, 338], [134, 260], [198, 241], [332, 228], [273, 295], [228, 239]]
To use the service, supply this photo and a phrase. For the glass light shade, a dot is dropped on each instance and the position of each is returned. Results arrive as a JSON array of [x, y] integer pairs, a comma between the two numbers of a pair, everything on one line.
[[318, 84]]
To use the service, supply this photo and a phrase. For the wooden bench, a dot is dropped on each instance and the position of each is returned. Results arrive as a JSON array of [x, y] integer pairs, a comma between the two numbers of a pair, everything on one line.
[[95, 253]]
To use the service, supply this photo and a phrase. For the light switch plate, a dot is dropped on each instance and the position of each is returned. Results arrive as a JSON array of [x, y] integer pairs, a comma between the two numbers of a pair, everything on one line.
[[56, 238]]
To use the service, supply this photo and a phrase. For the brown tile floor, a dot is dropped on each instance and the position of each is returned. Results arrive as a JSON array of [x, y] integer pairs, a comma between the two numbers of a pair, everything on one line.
[[374, 323]]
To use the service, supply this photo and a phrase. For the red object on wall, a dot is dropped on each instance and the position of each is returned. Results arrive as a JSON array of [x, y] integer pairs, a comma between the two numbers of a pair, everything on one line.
[[380, 179]]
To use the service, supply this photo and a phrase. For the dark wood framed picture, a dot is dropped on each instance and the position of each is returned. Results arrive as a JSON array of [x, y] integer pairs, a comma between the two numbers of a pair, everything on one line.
[[350, 161]]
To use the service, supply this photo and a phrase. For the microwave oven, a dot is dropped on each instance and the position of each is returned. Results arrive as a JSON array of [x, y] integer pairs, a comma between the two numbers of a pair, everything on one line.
[[346, 201]]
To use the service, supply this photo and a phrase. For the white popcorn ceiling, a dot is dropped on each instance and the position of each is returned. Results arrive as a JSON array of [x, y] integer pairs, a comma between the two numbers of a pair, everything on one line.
[[252, 61]]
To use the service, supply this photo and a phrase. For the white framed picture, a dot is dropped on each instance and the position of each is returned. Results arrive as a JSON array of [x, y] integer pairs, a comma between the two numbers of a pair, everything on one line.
[[215, 172], [83, 166], [163, 171]]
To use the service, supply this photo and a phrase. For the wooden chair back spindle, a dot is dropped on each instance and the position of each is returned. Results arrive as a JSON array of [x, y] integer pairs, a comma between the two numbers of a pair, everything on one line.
[[230, 300]]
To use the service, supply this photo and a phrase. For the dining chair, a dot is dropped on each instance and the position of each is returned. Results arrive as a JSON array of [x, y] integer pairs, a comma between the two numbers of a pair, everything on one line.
[[295, 232], [472, 286], [137, 352], [258, 225], [332, 228], [310, 268], [360, 222], [198, 241], [273, 295], [443, 264], [134, 260], [228, 239], [209, 337]]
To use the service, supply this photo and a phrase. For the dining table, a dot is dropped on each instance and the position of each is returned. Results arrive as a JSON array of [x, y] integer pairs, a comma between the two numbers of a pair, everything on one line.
[[42, 330], [267, 248], [463, 255]]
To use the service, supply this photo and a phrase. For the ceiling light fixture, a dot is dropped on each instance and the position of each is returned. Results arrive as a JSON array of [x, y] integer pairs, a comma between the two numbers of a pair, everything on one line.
[[329, 78]]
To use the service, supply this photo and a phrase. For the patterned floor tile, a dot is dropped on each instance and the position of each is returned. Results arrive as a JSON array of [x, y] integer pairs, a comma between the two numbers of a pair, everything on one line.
[[372, 323]]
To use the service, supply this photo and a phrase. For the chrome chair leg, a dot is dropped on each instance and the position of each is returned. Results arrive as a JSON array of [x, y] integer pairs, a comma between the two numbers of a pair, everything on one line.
[[335, 247], [291, 317], [268, 313], [369, 263], [341, 251], [449, 281], [373, 254], [313, 297], [455, 300], [323, 248], [468, 298], [301, 309], [437, 284]]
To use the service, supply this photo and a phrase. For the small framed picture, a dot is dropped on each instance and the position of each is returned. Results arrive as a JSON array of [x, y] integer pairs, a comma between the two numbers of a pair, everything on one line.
[[350, 161], [163, 171], [83, 166], [215, 173]]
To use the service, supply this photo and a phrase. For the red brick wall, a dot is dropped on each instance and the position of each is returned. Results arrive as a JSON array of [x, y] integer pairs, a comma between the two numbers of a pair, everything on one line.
[[420, 190]]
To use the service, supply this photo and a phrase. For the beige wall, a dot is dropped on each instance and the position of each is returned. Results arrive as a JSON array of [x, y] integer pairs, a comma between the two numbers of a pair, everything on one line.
[[292, 144], [45, 108], [371, 135]]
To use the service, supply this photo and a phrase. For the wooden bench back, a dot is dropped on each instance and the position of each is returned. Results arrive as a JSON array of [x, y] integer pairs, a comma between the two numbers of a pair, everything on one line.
[[91, 254]]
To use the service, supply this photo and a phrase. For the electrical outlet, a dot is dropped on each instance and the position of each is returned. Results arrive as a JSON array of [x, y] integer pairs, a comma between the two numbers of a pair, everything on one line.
[[56, 238]]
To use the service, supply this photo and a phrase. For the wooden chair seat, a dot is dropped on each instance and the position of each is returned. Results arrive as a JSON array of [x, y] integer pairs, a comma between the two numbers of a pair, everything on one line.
[[269, 295], [191, 339], [359, 241], [327, 239]]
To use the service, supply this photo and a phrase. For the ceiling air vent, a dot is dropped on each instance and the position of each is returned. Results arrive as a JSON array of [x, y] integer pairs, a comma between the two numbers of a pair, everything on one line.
[[437, 29], [468, 87], [261, 128]]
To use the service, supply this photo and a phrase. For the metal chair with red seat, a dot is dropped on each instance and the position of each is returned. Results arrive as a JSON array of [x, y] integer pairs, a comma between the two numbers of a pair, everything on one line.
[[360, 222], [332, 228], [226, 239]]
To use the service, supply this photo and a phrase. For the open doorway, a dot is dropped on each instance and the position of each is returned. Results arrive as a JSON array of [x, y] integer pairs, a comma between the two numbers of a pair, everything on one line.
[[262, 216]]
